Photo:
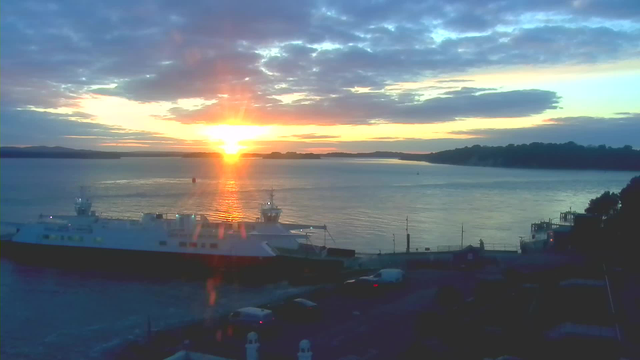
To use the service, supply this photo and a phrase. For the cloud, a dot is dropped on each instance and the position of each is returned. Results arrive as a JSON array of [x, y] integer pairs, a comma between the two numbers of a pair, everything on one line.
[[466, 21], [369, 108], [453, 81], [413, 145], [586, 130], [467, 91], [240, 54], [314, 136], [26, 127]]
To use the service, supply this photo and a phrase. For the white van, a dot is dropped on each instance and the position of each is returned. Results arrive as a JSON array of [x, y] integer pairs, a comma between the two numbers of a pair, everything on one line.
[[251, 318], [386, 276]]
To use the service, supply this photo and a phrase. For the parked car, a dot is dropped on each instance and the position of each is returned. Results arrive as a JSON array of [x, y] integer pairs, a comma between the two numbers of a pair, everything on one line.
[[297, 310], [384, 278], [251, 319]]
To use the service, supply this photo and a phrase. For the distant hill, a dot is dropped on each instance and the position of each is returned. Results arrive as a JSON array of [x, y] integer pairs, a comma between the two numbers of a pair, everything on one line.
[[152, 153], [375, 154], [538, 155], [58, 152], [291, 155], [202, 155], [54, 152], [295, 155]]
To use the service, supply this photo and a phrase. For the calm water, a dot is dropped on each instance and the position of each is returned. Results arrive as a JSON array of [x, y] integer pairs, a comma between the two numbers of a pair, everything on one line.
[[47, 313]]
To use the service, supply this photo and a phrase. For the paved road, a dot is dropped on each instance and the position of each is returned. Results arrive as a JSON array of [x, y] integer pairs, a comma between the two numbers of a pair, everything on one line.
[[376, 327]]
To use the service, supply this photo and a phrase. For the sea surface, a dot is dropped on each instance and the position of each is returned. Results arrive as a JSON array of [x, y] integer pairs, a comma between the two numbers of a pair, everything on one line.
[[54, 313]]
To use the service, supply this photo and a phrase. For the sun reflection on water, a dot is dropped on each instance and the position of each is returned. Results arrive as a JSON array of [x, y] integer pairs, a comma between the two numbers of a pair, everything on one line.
[[230, 206]]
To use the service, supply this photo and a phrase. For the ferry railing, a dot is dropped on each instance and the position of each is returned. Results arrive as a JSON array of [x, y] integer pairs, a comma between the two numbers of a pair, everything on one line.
[[441, 248], [500, 247], [125, 218]]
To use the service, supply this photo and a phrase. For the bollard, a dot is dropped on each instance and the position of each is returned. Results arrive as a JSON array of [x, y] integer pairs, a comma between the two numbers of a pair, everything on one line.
[[252, 346], [305, 350]]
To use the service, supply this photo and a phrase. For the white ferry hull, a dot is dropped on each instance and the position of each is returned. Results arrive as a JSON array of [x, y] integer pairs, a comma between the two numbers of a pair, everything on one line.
[[131, 260]]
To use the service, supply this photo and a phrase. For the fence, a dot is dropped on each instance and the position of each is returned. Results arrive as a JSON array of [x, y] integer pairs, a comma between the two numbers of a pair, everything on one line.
[[487, 246], [501, 247], [448, 248]]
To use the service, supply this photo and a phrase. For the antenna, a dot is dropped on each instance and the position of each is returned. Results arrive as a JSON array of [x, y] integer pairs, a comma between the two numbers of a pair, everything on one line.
[[462, 237]]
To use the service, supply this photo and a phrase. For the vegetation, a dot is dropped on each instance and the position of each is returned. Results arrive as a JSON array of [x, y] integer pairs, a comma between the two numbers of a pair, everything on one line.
[[604, 205], [620, 213], [538, 155], [375, 154], [202, 155], [290, 155], [55, 152]]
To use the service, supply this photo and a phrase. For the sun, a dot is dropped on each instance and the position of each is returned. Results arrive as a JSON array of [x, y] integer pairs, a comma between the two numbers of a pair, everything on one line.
[[232, 135], [231, 148]]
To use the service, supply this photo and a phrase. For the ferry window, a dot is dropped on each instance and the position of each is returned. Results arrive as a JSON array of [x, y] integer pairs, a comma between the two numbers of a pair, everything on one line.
[[80, 239], [182, 244], [53, 237], [162, 243], [45, 236], [203, 245], [213, 246], [194, 245], [98, 240]]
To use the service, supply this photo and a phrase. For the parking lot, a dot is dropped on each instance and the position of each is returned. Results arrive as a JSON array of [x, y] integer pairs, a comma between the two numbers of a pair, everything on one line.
[[443, 314], [363, 326]]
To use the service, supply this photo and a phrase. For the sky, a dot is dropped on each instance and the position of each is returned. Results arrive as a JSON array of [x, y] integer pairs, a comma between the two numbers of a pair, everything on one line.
[[318, 76]]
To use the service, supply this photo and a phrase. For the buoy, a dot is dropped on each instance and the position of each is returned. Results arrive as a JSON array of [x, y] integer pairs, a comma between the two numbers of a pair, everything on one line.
[[193, 180]]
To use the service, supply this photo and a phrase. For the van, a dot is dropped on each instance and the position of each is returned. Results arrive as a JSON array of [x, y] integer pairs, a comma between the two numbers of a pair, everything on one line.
[[386, 276], [251, 319]]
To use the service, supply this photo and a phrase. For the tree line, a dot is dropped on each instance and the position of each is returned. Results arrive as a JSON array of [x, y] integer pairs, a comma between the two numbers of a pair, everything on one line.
[[620, 215], [538, 155]]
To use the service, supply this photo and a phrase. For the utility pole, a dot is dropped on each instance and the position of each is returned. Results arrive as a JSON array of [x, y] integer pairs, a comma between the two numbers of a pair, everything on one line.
[[394, 243], [462, 237], [408, 236]]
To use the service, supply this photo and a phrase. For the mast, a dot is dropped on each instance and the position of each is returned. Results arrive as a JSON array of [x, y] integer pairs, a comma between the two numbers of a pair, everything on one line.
[[83, 203], [270, 212], [271, 196], [462, 237]]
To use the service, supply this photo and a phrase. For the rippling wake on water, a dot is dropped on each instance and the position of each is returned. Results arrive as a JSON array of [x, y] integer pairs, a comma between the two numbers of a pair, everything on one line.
[[48, 313]]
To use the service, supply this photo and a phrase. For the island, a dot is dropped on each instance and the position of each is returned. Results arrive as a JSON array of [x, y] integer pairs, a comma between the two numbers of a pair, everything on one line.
[[54, 152], [375, 155], [291, 155], [537, 155], [214, 155]]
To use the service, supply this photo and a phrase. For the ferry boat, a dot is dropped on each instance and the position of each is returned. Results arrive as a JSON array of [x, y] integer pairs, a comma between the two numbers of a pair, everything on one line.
[[168, 240], [542, 232]]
